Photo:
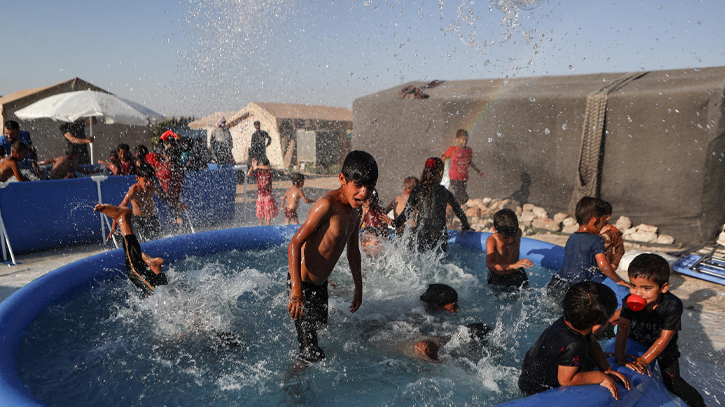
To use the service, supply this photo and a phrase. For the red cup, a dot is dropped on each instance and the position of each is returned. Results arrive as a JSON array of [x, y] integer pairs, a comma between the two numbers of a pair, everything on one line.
[[636, 303]]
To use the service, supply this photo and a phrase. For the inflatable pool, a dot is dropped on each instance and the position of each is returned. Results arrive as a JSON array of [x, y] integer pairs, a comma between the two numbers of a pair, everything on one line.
[[18, 311]]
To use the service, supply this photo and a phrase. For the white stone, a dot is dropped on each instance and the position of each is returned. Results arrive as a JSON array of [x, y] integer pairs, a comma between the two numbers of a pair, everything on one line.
[[540, 212], [473, 212], [570, 228], [570, 221], [643, 236], [647, 228], [721, 239], [623, 223], [529, 232], [546, 224], [526, 216], [529, 207], [494, 205], [665, 239], [486, 201], [518, 211]]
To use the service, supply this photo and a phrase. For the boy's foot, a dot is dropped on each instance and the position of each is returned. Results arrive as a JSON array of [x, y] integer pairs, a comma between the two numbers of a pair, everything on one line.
[[312, 355]]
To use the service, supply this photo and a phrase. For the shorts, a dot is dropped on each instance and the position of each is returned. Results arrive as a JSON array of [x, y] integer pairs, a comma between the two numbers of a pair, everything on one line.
[[314, 317], [136, 268], [146, 227], [291, 214], [518, 279], [459, 191]]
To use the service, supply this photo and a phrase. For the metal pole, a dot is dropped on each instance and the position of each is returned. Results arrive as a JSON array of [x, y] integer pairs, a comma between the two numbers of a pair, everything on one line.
[[6, 239], [91, 143], [97, 179]]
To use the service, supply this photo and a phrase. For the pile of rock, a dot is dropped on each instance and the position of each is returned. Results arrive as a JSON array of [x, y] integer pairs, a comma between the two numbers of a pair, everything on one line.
[[721, 238], [535, 219]]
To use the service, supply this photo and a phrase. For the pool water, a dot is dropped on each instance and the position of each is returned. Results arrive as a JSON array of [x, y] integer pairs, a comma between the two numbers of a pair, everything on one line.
[[219, 334]]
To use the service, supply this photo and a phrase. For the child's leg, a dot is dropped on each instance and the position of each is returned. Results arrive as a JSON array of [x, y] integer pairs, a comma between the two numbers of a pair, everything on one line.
[[670, 368], [313, 317]]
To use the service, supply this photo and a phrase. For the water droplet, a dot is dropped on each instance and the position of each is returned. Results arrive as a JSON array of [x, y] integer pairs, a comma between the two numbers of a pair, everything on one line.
[[532, 99], [629, 119], [563, 126], [547, 131]]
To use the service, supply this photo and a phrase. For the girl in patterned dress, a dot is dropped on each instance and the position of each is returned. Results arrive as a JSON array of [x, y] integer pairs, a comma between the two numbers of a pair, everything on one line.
[[266, 204]]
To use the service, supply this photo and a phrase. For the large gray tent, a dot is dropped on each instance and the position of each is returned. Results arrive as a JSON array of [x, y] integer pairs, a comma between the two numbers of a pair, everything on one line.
[[658, 158]]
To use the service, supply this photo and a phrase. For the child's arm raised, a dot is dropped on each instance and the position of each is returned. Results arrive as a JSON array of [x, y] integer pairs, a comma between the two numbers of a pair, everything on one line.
[[606, 269], [319, 213], [353, 257]]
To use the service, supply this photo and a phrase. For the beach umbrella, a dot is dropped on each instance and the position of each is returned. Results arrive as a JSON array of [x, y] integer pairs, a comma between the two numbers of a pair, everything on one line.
[[70, 106]]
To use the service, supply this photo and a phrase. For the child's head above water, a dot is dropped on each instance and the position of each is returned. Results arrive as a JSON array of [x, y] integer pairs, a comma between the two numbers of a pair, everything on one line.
[[506, 222], [410, 183], [650, 267], [588, 208], [587, 304], [360, 167], [298, 179], [441, 296]]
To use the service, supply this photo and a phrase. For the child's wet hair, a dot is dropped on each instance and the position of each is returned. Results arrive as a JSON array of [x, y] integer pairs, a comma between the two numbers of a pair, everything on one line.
[[142, 150], [410, 183], [433, 172], [297, 179], [18, 146], [506, 222], [360, 167], [588, 208], [123, 146], [607, 208], [462, 133], [439, 295], [588, 303], [144, 171], [651, 267]]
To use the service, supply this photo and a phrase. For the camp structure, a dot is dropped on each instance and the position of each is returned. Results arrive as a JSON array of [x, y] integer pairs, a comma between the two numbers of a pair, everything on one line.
[[45, 133], [650, 143], [317, 135]]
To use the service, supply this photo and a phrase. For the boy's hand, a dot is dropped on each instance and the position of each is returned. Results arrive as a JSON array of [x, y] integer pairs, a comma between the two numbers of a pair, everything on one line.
[[619, 377], [523, 263], [356, 301], [609, 383], [637, 364], [295, 306], [624, 283], [110, 235]]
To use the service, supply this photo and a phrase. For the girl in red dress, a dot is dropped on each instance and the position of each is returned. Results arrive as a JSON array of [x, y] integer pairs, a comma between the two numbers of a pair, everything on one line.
[[266, 204]]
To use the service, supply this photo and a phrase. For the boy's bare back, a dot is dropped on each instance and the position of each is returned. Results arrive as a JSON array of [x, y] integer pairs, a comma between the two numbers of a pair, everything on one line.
[[293, 197], [8, 168]]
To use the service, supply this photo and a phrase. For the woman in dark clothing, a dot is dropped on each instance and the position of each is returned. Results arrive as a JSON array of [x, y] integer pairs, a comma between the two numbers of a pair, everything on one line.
[[428, 203]]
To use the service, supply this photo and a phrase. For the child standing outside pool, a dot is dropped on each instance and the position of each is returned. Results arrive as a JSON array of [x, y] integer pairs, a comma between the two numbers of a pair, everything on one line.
[[655, 326], [566, 354], [460, 156], [293, 196], [502, 252], [266, 204], [584, 254], [332, 223]]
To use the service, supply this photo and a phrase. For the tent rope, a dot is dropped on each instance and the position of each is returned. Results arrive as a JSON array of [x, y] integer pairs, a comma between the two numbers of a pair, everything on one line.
[[591, 153]]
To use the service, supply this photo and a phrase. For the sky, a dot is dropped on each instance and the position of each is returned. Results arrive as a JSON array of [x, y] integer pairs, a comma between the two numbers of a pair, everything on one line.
[[195, 57]]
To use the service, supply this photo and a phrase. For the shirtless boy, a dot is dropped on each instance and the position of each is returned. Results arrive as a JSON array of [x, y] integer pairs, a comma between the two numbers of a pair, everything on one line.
[[143, 270], [332, 223], [502, 252], [293, 196], [9, 165], [141, 195]]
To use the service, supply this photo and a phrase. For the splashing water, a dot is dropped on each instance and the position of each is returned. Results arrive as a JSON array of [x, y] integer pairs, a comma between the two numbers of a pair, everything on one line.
[[219, 333]]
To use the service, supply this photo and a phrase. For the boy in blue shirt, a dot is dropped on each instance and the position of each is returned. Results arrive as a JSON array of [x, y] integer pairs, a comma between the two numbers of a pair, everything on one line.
[[655, 326], [585, 258], [566, 354]]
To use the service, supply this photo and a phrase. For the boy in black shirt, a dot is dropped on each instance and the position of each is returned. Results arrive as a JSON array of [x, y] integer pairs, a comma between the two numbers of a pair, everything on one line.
[[566, 354], [655, 326]]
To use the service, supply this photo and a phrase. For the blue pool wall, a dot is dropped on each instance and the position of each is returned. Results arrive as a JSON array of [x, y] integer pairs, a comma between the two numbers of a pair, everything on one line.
[[43, 215], [20, 309]]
